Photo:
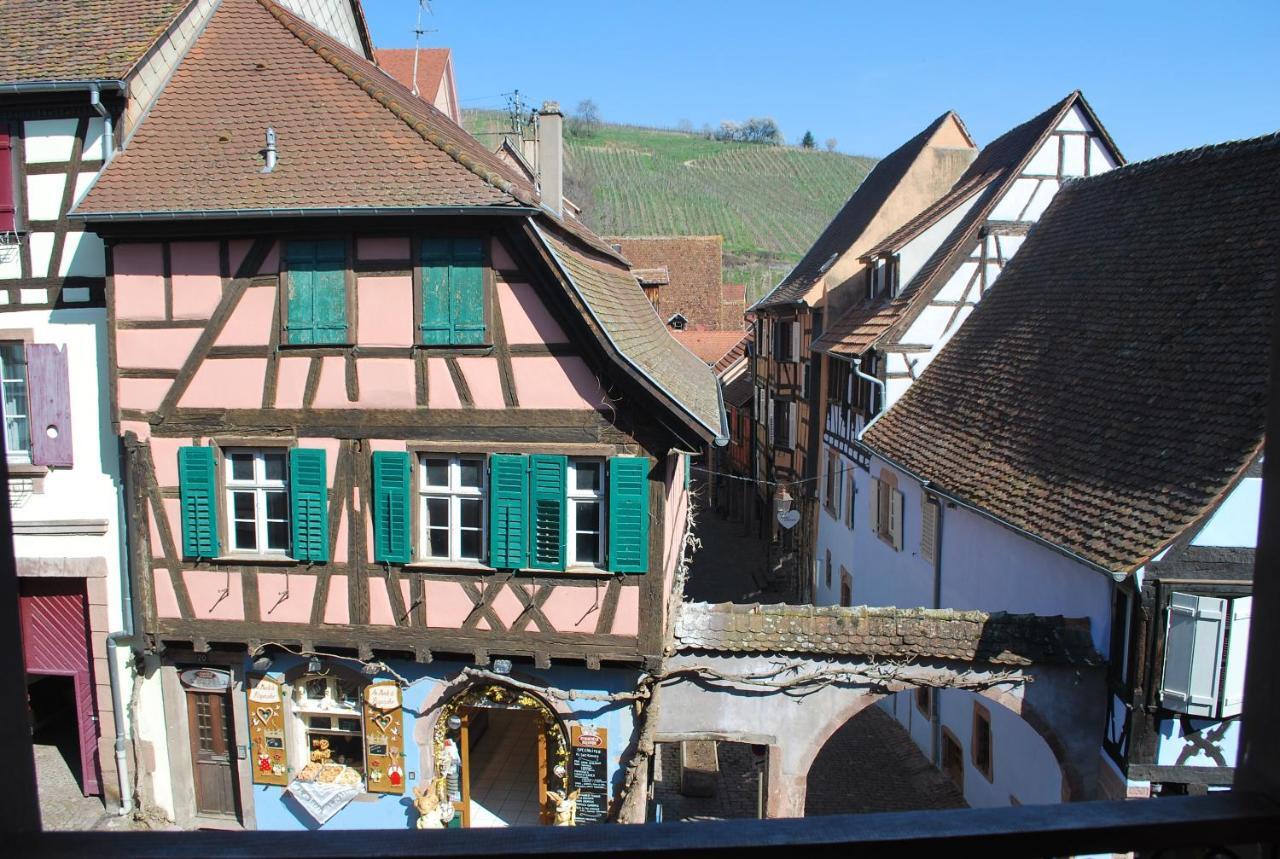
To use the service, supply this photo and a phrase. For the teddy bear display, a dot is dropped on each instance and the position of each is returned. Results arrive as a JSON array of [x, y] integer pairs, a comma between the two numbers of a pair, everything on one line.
[[566, 806]]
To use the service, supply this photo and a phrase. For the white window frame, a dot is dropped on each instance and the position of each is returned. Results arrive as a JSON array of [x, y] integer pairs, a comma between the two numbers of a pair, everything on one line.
[[575, 496], [1204, 657], [303, 708], [20, 455], [454, 493], [260, 485]]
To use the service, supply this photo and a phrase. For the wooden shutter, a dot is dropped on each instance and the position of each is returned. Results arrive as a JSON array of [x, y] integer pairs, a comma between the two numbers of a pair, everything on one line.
[[895, 518], [198, 491], [928, 529], [8, 211], [873, 497], [629, 514], [1193, 654], [1237, 656], [48, 390], [437, 326], [308, 504], [453, 308], [317, 293], [391, 539], [508, 511], [548, 479]]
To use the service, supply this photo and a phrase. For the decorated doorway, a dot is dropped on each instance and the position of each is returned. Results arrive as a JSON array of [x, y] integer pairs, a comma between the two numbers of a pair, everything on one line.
[[503, 755]]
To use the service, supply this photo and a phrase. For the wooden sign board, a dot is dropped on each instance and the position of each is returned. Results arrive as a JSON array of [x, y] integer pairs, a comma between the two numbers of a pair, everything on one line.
[[590, 772], [266, 731], [383, 738]]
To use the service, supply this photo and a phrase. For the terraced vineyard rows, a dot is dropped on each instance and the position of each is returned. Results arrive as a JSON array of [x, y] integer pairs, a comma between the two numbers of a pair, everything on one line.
[[769, 202]]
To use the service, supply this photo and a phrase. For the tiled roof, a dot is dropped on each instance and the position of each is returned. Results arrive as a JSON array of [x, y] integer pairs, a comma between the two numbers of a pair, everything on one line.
[[852, 219], [652, 276], [432, 62], [632, 325], [740, 390], [885, 633], [1112, 387], [79, 40], [736, 354], [857, 329], [694, 273], [348, 136], [709, 346]]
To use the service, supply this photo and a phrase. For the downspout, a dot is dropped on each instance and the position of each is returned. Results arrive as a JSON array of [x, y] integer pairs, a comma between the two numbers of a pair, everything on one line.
[[935, 716], [108, 132], [124, 636], [884, 395]]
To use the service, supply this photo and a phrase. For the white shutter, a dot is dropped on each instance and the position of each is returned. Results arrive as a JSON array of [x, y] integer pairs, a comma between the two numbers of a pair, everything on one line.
[[928, 529], [895, 518], [795, 340], [792, 413], [874, 497], [1193, 654], [1237, 654]]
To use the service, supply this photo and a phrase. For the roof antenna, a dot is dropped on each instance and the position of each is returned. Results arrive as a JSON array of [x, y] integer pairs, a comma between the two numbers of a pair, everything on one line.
[[417, 40]]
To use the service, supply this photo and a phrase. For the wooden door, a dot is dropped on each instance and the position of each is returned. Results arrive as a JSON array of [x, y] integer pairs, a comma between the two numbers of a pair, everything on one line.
[[546, 815], [464, 771], [212, 761]]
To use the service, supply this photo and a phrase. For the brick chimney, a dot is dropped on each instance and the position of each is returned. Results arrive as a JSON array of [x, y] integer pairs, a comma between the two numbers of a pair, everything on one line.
[[551, 156]]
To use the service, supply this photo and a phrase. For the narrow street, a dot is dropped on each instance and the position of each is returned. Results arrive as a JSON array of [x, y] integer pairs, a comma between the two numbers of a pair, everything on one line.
[[730, 565]]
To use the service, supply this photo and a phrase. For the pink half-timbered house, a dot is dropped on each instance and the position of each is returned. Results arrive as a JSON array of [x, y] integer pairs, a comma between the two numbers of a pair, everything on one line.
[[404, 447]]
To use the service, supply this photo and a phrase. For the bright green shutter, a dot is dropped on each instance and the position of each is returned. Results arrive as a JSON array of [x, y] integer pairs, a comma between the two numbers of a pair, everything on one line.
[[548, 478], [629, 514], [308, 504], [437, 327], [466, 282], [508, 511], [391, 507], [317, 296], [198, 490]]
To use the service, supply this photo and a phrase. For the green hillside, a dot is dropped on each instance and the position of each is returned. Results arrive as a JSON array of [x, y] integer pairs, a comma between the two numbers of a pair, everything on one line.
[[769, 202]]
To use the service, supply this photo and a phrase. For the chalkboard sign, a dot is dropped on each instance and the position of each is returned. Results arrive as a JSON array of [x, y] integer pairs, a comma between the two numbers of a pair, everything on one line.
[[591, 772]]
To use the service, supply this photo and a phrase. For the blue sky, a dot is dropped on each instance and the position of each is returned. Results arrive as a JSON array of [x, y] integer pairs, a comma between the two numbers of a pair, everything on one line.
[[1162, 76]]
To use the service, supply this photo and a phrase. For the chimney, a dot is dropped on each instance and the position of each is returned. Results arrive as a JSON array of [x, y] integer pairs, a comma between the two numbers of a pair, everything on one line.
[[551, 156]]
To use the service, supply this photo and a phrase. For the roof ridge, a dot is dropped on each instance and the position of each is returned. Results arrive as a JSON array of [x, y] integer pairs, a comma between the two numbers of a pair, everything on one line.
[[315, 40], [1224, 149]]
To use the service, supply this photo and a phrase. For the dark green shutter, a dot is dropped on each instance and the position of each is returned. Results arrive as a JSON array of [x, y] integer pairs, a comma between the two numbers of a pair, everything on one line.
[[548, 479], [198, 490], [508, 511], [317, 297], [308, 504], [391, 520], [453, 292], [629, 514]]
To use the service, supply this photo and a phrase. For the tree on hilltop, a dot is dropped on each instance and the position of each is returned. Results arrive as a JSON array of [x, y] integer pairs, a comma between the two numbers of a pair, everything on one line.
[[807, 141]]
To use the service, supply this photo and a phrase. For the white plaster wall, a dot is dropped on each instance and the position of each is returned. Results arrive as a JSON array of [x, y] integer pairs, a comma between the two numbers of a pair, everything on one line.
[[1074, 121], [47, 141], [1014, 200], [1171, 742], [835, 535], [1022, 764], [1045, 161], [916, 252], [1235, 522], [153, 730]]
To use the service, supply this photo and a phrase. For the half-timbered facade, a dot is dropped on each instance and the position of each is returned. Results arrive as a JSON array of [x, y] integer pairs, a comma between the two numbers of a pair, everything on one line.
[[1038, 467], [918, 286], [404, 448]]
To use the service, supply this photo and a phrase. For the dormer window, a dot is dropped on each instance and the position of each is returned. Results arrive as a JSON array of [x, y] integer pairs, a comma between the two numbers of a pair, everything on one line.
[[885, 276], [678, 322]]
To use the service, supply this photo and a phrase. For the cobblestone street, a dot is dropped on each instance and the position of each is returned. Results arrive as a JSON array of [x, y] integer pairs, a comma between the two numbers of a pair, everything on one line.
[[736, 785], [871, 764], [730, 565], [62, 805]]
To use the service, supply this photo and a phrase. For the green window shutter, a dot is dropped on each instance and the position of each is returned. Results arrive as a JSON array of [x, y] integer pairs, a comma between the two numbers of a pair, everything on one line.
[[629, 514], [548, 480], [508, 511], [453, 292], [198, 490], [317, 296], [391, 520], [308, 504]]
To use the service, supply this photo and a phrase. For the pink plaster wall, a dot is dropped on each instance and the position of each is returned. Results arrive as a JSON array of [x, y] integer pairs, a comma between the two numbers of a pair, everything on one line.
[[382, 249], [506, 604], [384, 311], [162, 348], [166, 599], [387, 383], [271, 262], [291, 382], [484, 381], [332, 391], [330, 446], [388, 444], [228, 383], [380, 602], [677, 509], [141, 429], [340, 548], [138, 281], [164, 453], [205, 588], [296, 608], [144, 394], [627, 619], [447, 604], [336, 605], [197, 279], [566, 607], [441, 394], [172, 511], [237, 249], [250, 322], [555, 383], [499, 258], [525, 319]]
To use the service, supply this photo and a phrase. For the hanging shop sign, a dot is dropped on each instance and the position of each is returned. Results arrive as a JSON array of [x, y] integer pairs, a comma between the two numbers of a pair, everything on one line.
[[590, 772], [384, 738], [266, 731], [206, 679]]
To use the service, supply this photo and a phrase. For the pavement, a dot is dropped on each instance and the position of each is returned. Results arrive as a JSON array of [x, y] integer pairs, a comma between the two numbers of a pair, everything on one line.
[[729, 566], [735, 784], [871, 764], [62, 805]]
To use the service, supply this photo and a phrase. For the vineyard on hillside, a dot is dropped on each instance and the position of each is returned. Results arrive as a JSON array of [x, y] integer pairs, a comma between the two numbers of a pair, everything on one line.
[[769, 202]]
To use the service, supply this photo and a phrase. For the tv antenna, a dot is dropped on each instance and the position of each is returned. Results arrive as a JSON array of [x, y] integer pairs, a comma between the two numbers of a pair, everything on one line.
[[417, 39]]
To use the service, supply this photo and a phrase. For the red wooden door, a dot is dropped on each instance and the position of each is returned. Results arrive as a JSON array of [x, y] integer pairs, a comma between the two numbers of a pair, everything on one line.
[[55, 640]]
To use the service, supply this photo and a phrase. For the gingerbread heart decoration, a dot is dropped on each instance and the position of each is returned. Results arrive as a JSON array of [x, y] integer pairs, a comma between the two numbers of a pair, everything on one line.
[[265, 714], [383, 721]]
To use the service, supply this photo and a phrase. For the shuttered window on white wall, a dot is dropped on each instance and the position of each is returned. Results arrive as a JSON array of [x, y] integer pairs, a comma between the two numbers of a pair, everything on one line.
[[928, 529], [1237, 654], [873, 498], [1193, 648], [895, 518]]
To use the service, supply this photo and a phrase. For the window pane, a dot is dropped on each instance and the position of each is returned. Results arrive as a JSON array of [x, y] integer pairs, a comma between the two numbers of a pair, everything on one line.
[[437, 472], [587, 476], [322, 722], [274, 464], [470, 548], [246, 536], [588, 548], [241, 466], [242, 505], [278, 535], [439, 539], [437, 513], [277, 505], [470, 473], [469, 514], [352, 725], [587, 517]]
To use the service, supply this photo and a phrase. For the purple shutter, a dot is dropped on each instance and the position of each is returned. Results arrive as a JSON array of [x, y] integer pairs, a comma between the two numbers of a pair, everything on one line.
[[48, 388], [6, 181]]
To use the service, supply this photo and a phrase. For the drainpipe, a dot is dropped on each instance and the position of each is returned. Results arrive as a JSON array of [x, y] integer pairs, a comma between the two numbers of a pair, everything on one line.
[[936, 714], [108, 133], [884, 395], [122, 637]]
